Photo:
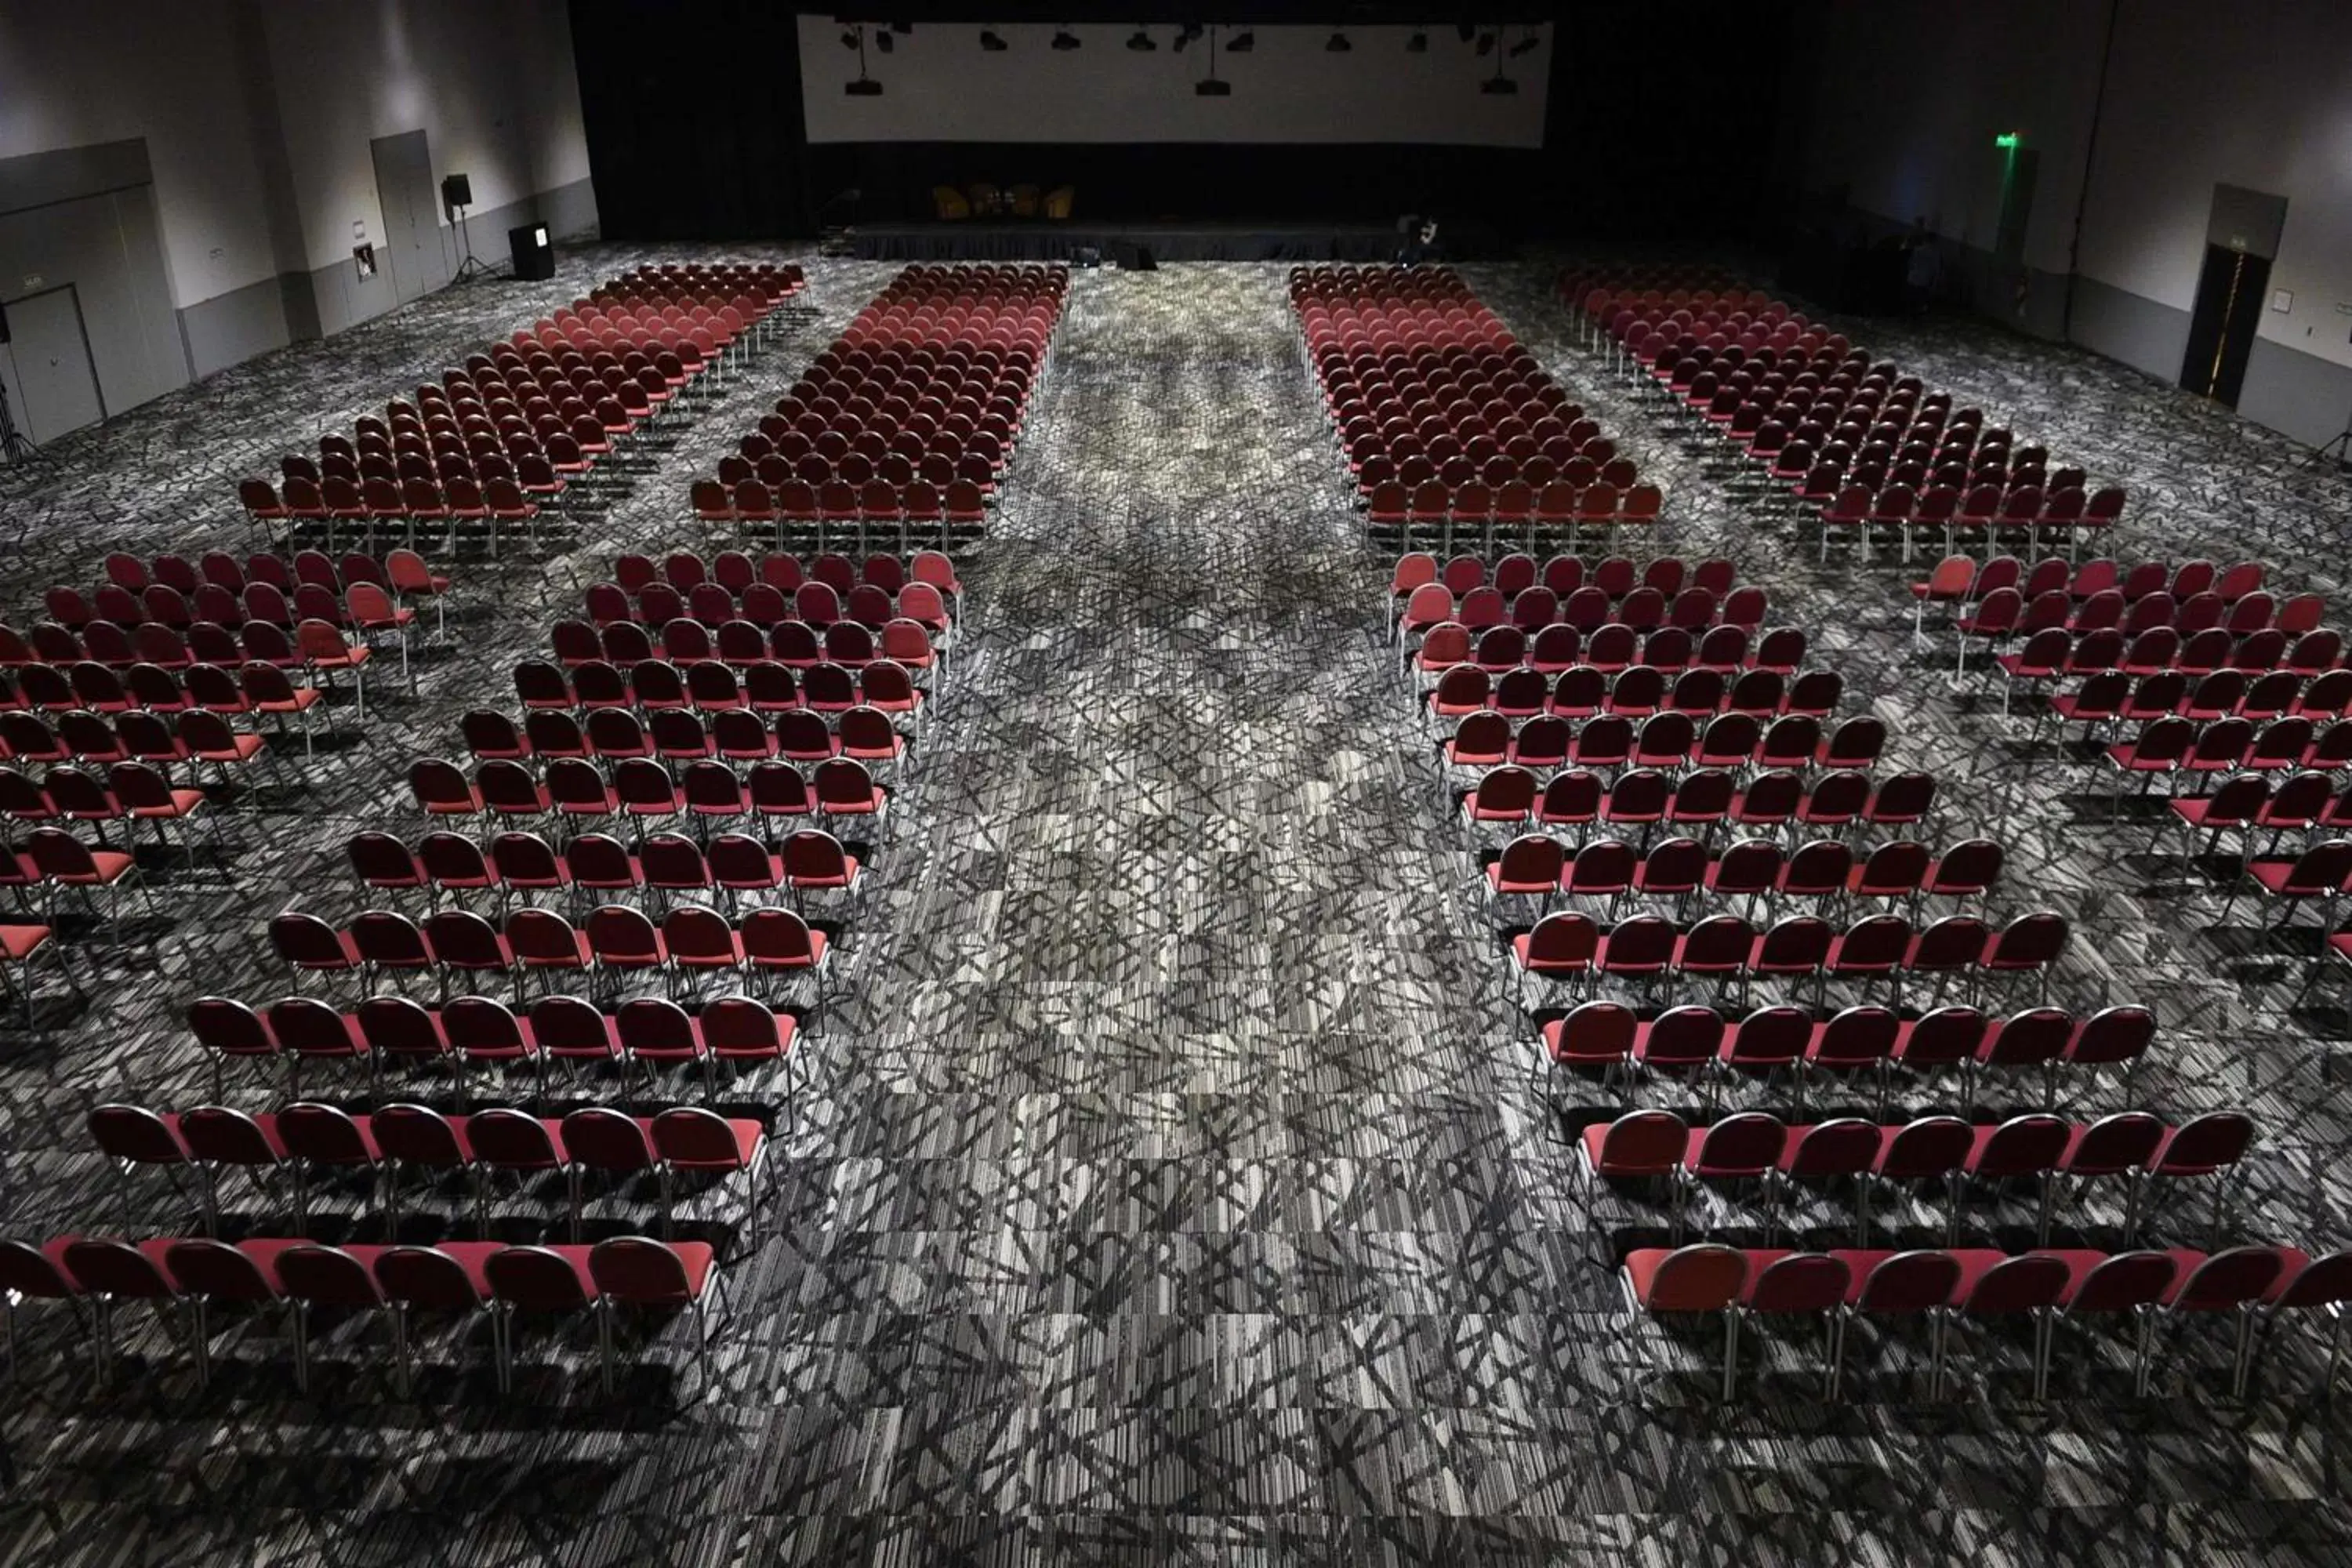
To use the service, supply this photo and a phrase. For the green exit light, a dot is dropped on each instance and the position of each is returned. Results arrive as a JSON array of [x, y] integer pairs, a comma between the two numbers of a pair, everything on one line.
[[2006, 139]]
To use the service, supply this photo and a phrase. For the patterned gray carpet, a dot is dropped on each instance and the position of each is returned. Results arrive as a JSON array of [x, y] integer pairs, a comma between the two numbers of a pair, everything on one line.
[[1172, 1189]]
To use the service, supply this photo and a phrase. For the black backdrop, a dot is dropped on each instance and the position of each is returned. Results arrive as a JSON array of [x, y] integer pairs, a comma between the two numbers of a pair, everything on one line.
[[1663, 119]]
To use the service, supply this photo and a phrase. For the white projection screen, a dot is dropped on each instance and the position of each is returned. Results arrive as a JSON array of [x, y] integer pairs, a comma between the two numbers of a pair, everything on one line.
[[939, 85]]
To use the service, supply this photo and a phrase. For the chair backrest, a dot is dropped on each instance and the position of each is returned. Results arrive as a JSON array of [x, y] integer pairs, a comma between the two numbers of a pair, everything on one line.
[[1643, 1142], [2123, 1281], [1910, 1282], [2022, 1284], [639, 1269], [2228, 1279], [1800, 1282], [2213, 1141], [425, 1276], [1702, 1277]]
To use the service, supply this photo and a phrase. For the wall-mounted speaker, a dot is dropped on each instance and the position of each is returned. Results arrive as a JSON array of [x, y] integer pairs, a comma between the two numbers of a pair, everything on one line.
[[457, 191], [534, 258]]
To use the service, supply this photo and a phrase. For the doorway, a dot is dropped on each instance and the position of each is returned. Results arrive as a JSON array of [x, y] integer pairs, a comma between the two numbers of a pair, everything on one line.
[[48, 352], [2242, 236], [412, 225], [2229, 295]]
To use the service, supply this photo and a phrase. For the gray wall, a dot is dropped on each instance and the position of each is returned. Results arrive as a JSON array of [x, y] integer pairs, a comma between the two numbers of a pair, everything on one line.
[[87, 217], [227, 143]]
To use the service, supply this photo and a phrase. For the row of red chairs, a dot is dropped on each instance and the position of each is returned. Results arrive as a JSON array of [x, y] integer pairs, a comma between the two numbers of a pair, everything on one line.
[[763, 603], [361, 604], [403, 572], [52, 655], [1985, 1286], [1587, 609], [1615, 575], [1634, 691], [1706, 798], [1987, 508], [2173, 748], [191, 737], [469, 1032], [519, 865], [256, 686], [735, 571], [616, 940], [1668, 742], [877, 510], [1796, 950], [310, 1139], [2247, 804], [743, 643], [1963, 579], [1434, 511], [1681, 869], [1700, 1046], [640, 789], [2111, 694], [735, 735], [1754, 1146], [714, 685], [1559, 648], [382, 511], [684, 735], [484, 1278], [2005, 613]]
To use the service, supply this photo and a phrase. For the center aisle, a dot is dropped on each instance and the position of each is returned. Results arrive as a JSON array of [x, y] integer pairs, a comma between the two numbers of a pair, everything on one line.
[[1171, 1177]]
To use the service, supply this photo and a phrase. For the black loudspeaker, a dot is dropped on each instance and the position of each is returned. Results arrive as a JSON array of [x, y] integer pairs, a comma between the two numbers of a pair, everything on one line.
[[1134, 257], [457, 191], [4, 324], [534, 258]]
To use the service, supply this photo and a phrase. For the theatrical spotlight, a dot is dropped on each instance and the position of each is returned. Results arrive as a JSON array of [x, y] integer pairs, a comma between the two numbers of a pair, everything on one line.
[[1465, 31], [993, 41], [1417, 44], [1241, 43], [1339, 43], [884, 42], [1186, 34], [849, 39], [1064, 40], [1525, 46], [1485, 43]]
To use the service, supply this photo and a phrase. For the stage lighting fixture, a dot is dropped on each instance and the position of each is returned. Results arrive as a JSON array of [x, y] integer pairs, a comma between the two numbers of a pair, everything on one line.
[[1208, 86], [1339, 43], [1141, 42], [1241, 43], [993, 41], [1064, 40], [1465, 31], [1485, 43], [1417, 44], [849, 39], [884, 42], [902, 27], [1524, 46], [1186, 34]]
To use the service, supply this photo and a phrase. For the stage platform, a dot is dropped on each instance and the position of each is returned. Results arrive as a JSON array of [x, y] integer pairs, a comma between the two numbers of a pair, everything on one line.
[[1042, 241]]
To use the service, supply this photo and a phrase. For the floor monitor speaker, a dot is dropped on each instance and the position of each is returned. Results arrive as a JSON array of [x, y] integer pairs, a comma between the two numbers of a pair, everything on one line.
[[534, 258]]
